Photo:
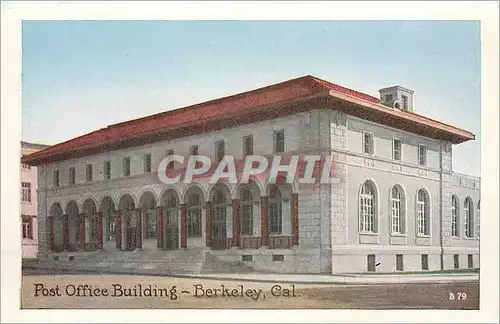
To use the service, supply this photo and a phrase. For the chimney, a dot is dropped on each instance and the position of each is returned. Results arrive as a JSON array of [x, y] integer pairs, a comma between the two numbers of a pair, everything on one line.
[[397, 97]]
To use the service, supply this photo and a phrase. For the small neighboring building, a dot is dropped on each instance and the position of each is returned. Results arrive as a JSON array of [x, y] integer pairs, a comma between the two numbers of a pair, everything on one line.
[[28, 202]]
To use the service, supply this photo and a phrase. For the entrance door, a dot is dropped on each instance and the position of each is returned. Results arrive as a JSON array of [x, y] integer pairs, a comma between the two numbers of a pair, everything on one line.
[[219, 234], [129, 231], [172, 229]]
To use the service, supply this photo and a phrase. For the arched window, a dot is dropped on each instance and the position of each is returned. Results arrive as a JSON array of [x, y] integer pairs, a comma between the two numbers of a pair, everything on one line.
[[275, 211], [246, 212], [455, 223], [469, 217], [397, 210], [194, 215], [368, 208], [423, 220]]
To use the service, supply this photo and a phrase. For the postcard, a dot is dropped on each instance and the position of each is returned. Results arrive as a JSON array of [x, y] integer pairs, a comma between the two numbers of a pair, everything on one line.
[[251, 165]]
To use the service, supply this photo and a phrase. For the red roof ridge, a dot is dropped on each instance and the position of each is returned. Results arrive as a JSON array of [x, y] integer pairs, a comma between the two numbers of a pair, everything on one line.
[[348, 91], [303, 88], [216, 100]]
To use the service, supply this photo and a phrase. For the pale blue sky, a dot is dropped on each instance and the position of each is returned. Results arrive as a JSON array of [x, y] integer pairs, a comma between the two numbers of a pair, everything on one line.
[[79, 76]]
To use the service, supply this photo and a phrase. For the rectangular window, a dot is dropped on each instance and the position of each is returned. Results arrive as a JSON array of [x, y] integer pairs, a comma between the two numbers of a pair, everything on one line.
[[88, 172], [279, 141], [147, 163], [405, 102], [107, 170], [193, 150], [170, 164], [422, 155], [371, 262], [368, 143], [26, 192], [399, 262], [56, 178], [396, 149], [278, 257], [425, 262], [219, 150], [248, 145], [470, 261], [456, 261], [72, 176], [246, 258], [126, 166], [27, 227], [388, 98]]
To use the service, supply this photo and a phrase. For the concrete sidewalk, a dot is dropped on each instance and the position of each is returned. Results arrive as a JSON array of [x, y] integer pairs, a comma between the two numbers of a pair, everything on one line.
[[134, 269], [342, 279]]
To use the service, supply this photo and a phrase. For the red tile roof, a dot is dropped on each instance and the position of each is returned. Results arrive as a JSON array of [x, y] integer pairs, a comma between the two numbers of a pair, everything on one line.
[[251, 102]]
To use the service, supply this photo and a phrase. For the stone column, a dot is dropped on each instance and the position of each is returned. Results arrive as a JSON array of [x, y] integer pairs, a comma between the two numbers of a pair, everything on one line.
[[82, 231], [236, 222], [445, 199], [138, 229], [208, 222], [159, 227], [65, 232], [51, 233], [264, 220], [100, 238], [118, 229], [295, 218], [183, 226]]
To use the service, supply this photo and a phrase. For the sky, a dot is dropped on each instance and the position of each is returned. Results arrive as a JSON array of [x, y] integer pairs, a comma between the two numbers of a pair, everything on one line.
[[79, 76]]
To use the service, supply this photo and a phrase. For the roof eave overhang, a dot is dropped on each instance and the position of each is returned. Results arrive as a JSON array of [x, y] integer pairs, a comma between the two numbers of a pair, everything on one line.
[[247, 116], [406, 121], [378, 113]]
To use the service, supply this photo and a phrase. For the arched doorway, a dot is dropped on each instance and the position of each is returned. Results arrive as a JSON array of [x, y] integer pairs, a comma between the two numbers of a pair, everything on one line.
[[279, 213], [89, 210], [249, 195], [108, 213], [195, 221], [220, 198], [170, 202], [56, 211], [147, 206], [129, 221], [73, 226]]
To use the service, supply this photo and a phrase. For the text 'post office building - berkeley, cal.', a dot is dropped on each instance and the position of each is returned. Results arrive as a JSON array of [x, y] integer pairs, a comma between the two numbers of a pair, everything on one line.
[[398, 205]]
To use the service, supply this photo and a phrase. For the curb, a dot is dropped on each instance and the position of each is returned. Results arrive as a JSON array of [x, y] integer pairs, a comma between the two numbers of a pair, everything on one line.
[[337, 279]]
